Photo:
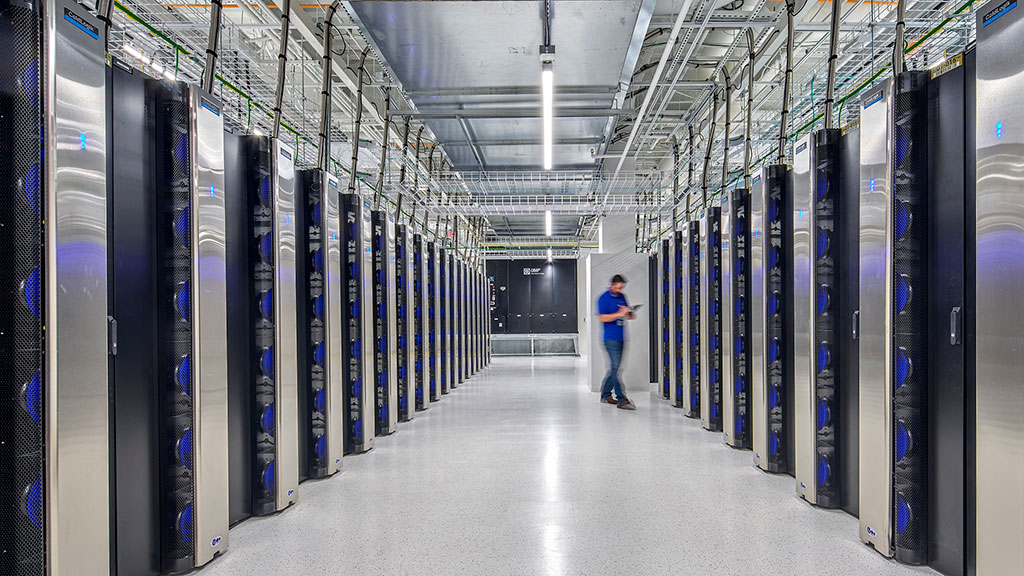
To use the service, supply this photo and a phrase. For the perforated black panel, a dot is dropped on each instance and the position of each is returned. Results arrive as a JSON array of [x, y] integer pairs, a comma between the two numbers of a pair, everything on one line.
[[714, 326], [443, 315], [909, 317], [351, 321], [416, 283], [380, 279], [432, 312], [177, 369], [667, 318], [775, 337], [402, 328], [825, 299], [678, 284], [693, 317], [22, 298], [310, 200], [741, 326]]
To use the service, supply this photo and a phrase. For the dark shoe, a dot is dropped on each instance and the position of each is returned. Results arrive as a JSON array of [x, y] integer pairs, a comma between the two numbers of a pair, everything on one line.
[[625, 404], [608, 400]]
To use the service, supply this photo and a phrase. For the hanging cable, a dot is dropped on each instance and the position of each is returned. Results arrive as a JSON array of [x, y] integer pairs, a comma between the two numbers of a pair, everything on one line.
[[728, 121], [833, 56], [354, 166], [325, 90], [103, 13], [707, 154], [748, 148], [282, 63], [384, 153], [788, 84], [210, 71], [405, 149], [675, 183], [898, 65]]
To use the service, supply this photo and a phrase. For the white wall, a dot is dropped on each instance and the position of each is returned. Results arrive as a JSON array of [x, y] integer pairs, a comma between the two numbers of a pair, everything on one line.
[[635, 371]]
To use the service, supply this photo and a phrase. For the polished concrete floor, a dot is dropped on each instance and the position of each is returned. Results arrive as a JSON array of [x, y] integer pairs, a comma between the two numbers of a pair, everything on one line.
[[521, 471]]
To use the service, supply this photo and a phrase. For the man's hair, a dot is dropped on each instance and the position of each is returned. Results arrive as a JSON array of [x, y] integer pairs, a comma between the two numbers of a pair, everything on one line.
[[618, 279]]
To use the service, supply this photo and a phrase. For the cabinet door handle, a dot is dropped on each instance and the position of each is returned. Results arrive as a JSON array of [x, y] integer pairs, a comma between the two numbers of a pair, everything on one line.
[[954, 326], [856, 324]]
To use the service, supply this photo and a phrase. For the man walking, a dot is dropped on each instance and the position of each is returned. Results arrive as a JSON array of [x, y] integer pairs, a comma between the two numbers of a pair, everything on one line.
[[613, 311]]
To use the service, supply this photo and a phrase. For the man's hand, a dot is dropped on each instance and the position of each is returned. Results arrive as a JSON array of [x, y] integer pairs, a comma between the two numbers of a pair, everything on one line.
[[623, 312]]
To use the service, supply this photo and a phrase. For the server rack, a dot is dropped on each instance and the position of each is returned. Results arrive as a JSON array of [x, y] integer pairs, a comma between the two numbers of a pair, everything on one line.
[[384, 352], [357, 324], [999, 408], [319, 308], [679, 287], [736, 324], [53, 318], [816, 249], [444, 320], [404, 323], [273, 330], [193, 318], [711, 319], [893, 318], [691, 260], [663, 330], [435, 326], [772, 332], [421, 352]]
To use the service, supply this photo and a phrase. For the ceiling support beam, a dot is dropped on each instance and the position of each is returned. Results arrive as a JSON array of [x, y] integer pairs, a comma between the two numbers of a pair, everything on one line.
[[506, 113], [469, 142]]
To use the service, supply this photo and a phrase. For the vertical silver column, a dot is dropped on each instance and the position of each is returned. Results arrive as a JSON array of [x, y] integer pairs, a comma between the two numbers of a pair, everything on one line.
[[369, 388], [683, 386], [758, 319], [668, 329], [1000, 296], [424, 373], [286, 377], [334, 366], [454, 288], [875, 383], [76, 430], [209, 342], [405, 309], [706, 401], [803, 389]]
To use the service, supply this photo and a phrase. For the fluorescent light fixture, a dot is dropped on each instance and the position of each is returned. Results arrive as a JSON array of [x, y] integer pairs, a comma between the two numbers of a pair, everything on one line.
[[547, 82], [547, 223], [157, 68], [169, 75], [257, 132], [136, 53], [549, 255]]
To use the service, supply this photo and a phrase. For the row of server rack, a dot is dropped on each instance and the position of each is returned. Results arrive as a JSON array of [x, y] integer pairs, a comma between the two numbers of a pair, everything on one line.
[[856, 319], [189, 325]]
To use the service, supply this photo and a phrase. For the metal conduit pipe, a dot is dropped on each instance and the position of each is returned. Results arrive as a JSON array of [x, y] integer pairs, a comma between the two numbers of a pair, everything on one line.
[[103, 13], [416, 175], [675, 183], [384, 151], [898, 66], [210, 71], [788, 84], [325, 90], [748, 148], [833, 55], [728, 121], [405, 148], [707, 152], [689, 169], [282, 62], [354, 166]]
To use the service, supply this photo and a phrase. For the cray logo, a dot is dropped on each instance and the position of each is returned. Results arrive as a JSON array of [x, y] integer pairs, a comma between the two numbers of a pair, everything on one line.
[[82, 24], [215, 542], [803, 486], [286, 154], [290, 492], [801, 148], [871, 531]]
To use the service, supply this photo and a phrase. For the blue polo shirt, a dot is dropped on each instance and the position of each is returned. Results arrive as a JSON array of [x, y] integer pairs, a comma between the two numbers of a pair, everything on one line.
[[608, 303]]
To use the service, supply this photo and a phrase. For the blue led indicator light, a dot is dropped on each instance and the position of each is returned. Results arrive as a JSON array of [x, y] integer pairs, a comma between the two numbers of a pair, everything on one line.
[[872, 184], [999, 132], [82, 138], [213, 192]]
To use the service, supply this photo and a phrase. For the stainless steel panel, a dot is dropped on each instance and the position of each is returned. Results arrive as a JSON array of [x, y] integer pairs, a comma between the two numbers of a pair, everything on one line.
[[333, 365], [684, 274], [758, 319], [705, 323], [77, 470], [392, 328], [456, 312], [1000, 298], [728, 386], [286, 376], [369, 390], [803, 417], [874, 332], [209, 344]]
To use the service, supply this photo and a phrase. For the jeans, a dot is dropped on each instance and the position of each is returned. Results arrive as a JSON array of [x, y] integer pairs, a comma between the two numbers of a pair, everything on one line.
[[611, 381]]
